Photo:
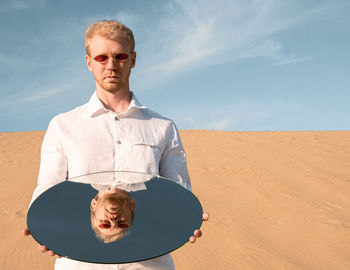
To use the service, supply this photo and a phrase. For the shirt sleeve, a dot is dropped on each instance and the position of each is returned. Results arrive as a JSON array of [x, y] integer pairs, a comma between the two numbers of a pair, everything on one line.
[[53, 163], [173, 163]]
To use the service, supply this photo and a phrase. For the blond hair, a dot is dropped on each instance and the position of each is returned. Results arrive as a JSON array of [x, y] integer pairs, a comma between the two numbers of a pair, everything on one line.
[[111, 29]]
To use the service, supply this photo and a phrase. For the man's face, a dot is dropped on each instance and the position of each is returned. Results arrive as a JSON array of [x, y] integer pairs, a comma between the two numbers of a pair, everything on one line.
[[113, 74], [113, 211]]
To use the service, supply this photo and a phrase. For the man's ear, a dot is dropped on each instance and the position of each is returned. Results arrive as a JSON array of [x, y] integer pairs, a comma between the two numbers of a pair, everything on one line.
[[133, 59], [93, 204], [88, 62], [132, 205]]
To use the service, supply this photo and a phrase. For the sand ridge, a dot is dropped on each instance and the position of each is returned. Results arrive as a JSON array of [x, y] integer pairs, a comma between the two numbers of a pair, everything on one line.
[[277, 200]]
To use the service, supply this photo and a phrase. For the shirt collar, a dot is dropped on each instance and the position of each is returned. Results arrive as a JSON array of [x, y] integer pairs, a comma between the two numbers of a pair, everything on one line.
[[96, 107]]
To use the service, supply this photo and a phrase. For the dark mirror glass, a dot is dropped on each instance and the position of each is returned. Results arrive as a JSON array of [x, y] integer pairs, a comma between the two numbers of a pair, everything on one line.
[[114, 217]]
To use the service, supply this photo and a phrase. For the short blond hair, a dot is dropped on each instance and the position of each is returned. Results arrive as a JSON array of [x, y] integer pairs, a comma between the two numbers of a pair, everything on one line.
[[111, 29]]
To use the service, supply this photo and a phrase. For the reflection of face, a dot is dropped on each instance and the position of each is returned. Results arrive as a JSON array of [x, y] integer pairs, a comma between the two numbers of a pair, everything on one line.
[[113, 212]]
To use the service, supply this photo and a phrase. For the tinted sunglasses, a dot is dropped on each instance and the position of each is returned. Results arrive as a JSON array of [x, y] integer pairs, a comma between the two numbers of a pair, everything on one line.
[[108, 225], [103, 59]]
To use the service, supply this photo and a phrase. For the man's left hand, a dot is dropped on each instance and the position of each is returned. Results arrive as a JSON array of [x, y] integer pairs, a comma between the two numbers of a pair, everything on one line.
[[198, 233]]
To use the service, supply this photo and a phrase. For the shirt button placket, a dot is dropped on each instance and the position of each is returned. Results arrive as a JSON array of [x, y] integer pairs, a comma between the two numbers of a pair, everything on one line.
[[117, 140]]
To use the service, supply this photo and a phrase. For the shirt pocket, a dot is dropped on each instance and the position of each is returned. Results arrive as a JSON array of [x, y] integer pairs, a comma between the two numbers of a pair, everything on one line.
[[146, 155]]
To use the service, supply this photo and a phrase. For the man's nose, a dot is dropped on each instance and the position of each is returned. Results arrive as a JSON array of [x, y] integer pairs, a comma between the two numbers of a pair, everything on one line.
[[113, 222], [112, 63], [112, 216]]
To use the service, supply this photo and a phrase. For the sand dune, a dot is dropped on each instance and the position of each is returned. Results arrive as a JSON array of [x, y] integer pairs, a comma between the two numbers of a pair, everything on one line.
[[277, 200]]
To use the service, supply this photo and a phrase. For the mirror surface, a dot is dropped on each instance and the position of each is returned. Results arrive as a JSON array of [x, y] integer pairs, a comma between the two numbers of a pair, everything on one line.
[[114, 217]]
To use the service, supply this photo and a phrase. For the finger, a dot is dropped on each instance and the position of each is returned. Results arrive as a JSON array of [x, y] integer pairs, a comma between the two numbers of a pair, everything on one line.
[[205, 216], [42, 248], [192, 239], [26, 231], [197, 233], [51, 253]]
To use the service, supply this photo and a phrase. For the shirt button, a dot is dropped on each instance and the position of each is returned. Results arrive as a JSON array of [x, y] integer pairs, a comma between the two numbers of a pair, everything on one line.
[[116, 118], [119, 142], [109, 188]]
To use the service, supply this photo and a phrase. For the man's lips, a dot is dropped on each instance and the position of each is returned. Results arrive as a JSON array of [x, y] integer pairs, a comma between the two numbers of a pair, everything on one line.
[[111, 77]]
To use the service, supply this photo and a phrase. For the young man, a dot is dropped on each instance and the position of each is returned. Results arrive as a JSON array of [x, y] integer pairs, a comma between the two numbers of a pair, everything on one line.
[[112, 132]]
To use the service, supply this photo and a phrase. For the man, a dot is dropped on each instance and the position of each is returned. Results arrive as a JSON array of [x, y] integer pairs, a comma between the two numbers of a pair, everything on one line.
[[113, 131]]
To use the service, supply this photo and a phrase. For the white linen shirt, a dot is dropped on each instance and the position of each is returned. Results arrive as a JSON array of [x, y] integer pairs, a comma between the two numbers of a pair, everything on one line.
[[91, 139]]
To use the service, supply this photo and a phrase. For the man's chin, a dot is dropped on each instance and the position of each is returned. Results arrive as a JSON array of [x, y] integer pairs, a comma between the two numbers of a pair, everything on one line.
[[111, 87]]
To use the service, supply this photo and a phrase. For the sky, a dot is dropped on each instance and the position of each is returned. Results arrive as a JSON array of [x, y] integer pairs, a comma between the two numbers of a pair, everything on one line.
[[235, 65]]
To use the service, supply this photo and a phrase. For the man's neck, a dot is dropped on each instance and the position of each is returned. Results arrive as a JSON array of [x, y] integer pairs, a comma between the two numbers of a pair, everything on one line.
[[118, 102]]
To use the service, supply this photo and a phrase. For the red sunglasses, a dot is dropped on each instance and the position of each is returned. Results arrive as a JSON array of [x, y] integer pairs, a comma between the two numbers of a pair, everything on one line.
[[108, 225], [103, 59]]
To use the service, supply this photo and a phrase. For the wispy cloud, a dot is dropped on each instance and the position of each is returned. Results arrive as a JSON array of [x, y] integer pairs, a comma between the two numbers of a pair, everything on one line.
[[221, 124], [270, 49], [19, 4], [45, 94], [233, 115], [193, 34], [9, 5]]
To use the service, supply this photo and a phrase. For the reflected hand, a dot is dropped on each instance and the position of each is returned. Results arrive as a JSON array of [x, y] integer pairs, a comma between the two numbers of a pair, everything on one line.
[[43, 249], [198, 233]]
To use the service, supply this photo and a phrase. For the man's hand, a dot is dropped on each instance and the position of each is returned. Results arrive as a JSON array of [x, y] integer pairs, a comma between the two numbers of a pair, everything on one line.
[[198, 233], [43, 249]]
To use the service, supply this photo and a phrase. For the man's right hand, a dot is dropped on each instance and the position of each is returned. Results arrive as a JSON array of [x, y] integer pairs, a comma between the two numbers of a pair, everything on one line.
[[43, 249]]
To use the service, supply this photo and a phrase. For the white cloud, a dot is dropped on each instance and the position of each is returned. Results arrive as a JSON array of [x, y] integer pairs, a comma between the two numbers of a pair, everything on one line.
[[193, 34], [291, 60], [269, 49], [220, 124], [18, 5], [244, 114], [45, 94]]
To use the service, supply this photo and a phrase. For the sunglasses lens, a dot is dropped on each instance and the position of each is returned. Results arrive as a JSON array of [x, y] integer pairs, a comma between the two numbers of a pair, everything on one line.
[[101, 58], [104, 226], [122, 56], [123, 226]]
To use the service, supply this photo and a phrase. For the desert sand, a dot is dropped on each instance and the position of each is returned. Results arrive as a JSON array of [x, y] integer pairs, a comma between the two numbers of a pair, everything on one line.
[[277, 200]]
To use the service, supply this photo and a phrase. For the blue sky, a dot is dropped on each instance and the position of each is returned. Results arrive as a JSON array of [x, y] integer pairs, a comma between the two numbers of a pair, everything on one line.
[[220, 65]]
